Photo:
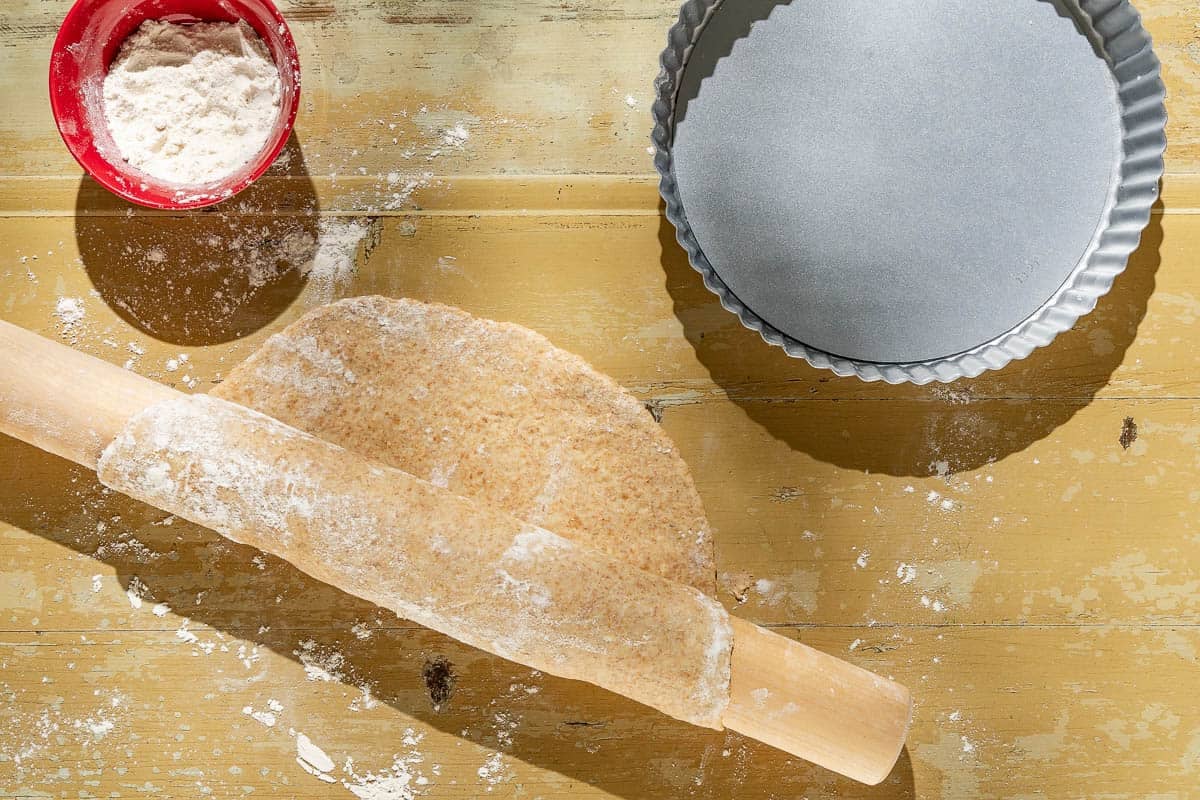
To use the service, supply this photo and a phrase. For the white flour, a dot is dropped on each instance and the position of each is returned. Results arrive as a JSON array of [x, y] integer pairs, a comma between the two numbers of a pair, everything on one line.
[[456, 136], [332, 258], [190, 104], [69, 311], [313, 759], [136, 591], [403, 780]]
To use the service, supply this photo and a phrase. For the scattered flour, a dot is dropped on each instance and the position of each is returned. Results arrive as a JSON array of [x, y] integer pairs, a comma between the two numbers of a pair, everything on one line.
[[313, 759], [184, 635], [267, 718], [907, 573], [494, 771], [333, 260], [936, 605], [190, 104], [32, 731], [126, 546], [98, 728], [861, 561], [456, 136], [248, 657], [137, 352], [366, 699], [400, 781], [136, 591], [320, 664], [69, 311], [327, 664], [96, 582]]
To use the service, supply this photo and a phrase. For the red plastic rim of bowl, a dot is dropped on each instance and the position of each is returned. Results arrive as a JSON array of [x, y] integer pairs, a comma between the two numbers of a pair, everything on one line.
[[86, 44]]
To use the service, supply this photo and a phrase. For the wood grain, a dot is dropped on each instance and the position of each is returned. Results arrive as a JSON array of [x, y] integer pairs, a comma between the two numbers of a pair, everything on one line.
[[1021, 549]]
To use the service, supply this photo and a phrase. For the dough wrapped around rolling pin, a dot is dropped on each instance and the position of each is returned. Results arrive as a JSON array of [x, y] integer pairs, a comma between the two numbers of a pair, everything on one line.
[[491, 411], [449, 563]]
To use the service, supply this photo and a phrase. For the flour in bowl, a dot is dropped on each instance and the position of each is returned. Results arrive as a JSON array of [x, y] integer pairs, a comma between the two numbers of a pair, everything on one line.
[[191, 103]]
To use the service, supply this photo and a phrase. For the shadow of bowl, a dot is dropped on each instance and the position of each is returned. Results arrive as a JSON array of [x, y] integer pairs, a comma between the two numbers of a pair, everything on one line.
[[207, 276]]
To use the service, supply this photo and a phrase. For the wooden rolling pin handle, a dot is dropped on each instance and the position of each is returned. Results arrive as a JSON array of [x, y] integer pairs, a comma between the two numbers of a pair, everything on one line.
[[782, 692], [815, 706], [63, 401]]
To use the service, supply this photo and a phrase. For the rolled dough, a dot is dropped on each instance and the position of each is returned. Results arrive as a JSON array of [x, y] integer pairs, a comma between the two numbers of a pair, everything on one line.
[[490, 411], [450, 563]]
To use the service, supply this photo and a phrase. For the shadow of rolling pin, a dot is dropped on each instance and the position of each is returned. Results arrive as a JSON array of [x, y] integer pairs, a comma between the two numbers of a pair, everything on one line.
[[447, 562]]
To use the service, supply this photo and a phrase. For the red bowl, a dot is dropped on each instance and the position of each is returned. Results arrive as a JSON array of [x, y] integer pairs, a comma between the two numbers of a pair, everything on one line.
[[86, 44]]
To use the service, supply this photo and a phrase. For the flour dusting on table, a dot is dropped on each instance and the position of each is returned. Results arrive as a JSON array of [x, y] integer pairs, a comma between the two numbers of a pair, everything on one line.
[[402, 780], [69, 311], [313, 759]]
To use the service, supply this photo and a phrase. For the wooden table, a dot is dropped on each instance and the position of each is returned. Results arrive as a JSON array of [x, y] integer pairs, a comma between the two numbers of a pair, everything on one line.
[[1021, 549]]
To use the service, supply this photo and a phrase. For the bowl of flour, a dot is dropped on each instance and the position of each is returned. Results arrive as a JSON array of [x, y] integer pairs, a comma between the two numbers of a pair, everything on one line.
[[174, 104]]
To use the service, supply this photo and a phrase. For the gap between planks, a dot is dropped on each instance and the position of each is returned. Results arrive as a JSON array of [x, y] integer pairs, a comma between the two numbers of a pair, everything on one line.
[[777, 626], [667, 396], [477, 195]]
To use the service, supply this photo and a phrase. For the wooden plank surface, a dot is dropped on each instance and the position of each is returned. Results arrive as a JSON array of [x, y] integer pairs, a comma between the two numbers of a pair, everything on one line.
[[1021, 549]]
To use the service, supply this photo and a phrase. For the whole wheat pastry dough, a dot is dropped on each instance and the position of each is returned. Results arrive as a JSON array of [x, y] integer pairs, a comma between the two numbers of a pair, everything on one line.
[[453, 564], [490, 411]]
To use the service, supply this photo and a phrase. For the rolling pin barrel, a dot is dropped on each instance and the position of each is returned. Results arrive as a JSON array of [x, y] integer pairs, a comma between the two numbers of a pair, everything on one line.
[[780, 692]]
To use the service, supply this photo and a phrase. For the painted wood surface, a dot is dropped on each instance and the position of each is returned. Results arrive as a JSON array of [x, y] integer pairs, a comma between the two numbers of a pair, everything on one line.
[[1021, 549]]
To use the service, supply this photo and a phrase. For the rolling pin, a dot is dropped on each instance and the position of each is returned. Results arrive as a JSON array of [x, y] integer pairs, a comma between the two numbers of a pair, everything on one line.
[[447, 562]]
